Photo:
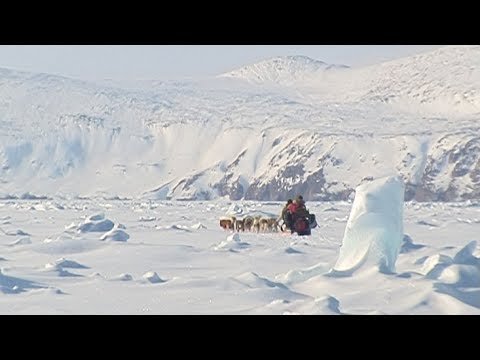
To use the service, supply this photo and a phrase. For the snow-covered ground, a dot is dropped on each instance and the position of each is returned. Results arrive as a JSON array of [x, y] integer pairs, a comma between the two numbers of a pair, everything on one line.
[[61, 257], [97, 182]]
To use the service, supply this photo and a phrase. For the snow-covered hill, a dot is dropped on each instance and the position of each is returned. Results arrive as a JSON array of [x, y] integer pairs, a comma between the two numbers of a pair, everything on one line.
[[445, 81], [320, 131], [283, 70]]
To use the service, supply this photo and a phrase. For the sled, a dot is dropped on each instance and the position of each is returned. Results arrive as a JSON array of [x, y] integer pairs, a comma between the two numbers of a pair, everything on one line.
[[302, 225]]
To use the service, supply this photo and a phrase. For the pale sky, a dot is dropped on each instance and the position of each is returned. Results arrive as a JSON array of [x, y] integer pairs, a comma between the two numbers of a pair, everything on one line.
[[98, 62]]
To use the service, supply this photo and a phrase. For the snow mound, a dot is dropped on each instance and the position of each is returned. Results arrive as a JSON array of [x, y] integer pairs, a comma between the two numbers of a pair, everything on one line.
[[152, 277], [278, 302], [96, 226], [198, 226], [66, 244], [147, 218], [374, 231], [64, 263], [462, 270], [421, 261], [465, 256], [22, 241], [434, 265], [408, 245], [17, 233], [122, 277], [425, 223], [13, 285], [290, 250], [59, 270], [96, 217], [55, 206], [461, 275], [51, 291], [235, 210], [96, 275], [115, 235], [66, 236], [233, 243], [234, 238], [254, 281], [296, 276], [173, 227], [326, 305], [29, 196], [468, 296], [94, 223], [5, 220]]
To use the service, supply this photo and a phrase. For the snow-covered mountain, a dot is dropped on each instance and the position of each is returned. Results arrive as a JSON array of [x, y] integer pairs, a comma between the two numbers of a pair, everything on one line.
[[444, 81], [283, 70], [320, 131]]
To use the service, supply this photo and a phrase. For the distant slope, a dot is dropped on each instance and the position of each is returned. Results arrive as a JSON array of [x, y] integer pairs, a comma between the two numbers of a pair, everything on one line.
[[283, 70], [446, 80], [418, 116]]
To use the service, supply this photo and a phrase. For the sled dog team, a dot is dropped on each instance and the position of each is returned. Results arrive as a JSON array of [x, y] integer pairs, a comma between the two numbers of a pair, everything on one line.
[[292, 212], [249, 223]]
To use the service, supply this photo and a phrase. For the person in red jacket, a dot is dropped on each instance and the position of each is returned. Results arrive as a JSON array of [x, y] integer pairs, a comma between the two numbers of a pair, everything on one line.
[[300, 202], [290, 217], [297, 207], [292, 208]]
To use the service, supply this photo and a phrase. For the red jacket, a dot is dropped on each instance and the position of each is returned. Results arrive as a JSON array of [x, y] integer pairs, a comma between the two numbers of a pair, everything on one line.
[[293, 207]]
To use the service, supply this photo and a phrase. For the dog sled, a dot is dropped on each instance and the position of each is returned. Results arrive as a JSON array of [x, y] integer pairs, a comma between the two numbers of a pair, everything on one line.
[[264, 223], [302, 225]]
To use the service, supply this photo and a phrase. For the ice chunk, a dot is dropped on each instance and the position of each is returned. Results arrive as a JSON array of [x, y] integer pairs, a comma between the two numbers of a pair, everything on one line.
[[374, 231]]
